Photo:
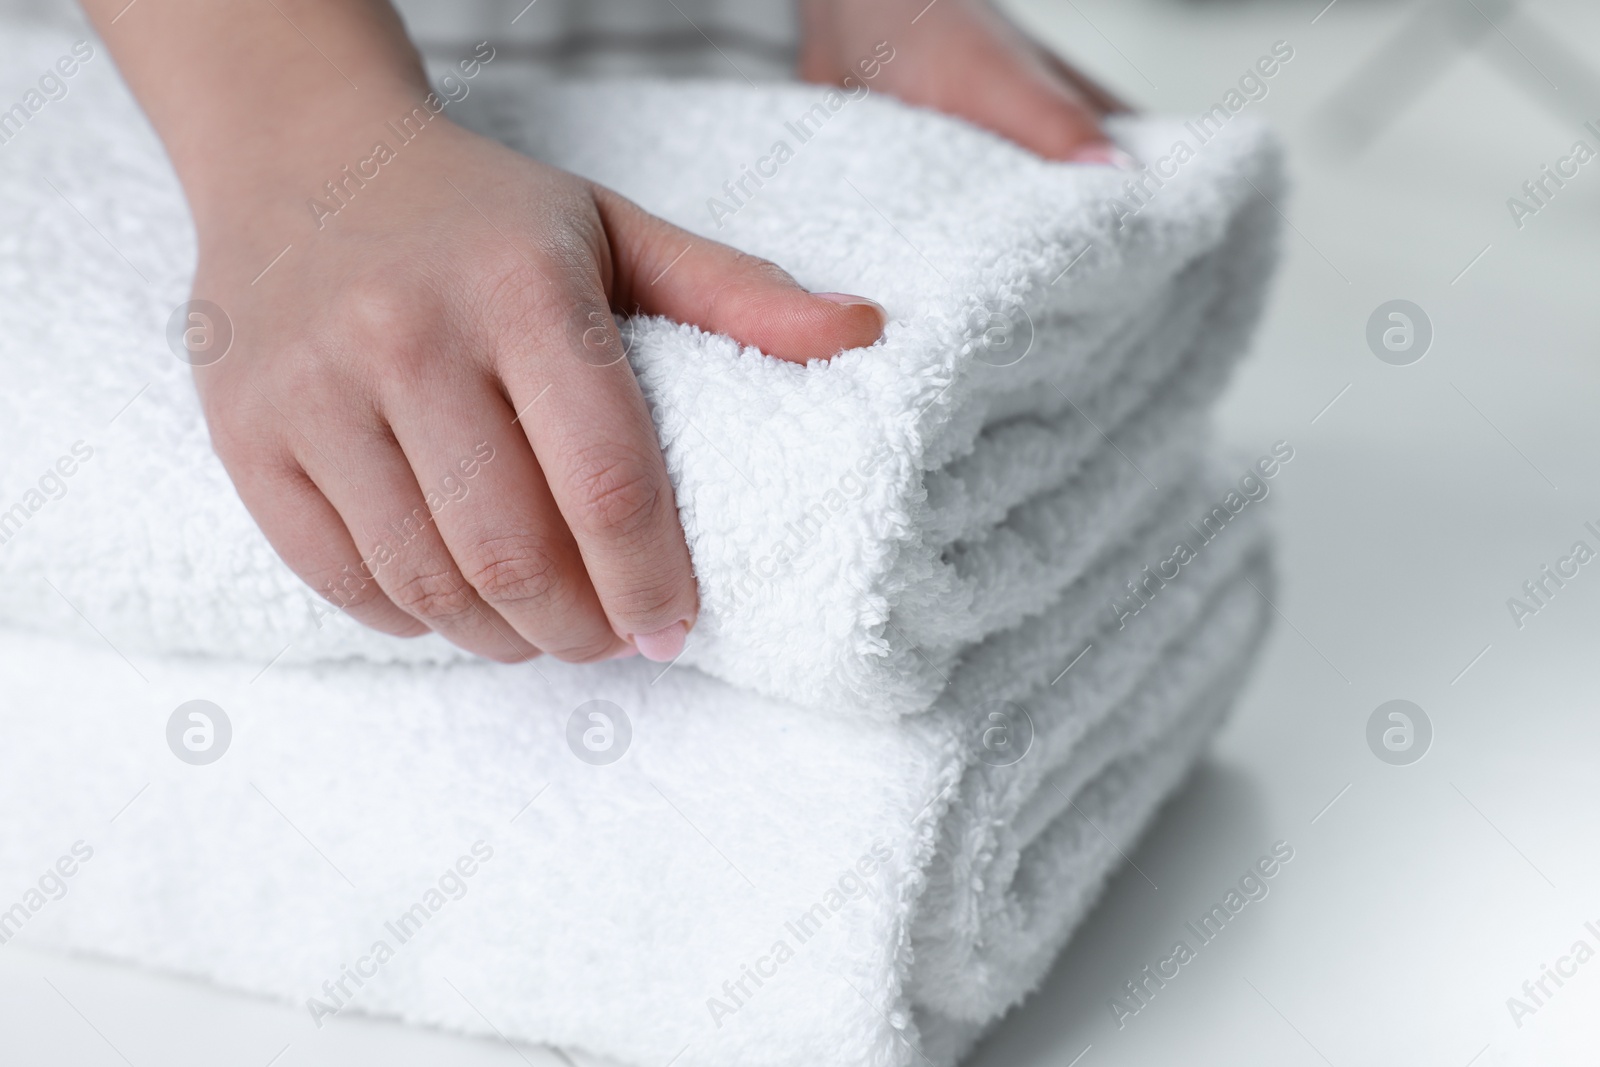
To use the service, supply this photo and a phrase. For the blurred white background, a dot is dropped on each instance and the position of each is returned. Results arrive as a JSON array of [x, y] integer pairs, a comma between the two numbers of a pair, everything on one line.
[[1421, 497]]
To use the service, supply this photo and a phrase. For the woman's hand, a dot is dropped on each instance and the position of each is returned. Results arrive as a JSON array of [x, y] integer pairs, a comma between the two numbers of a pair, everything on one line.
[[426, 406], [963, 58], [429, 413]]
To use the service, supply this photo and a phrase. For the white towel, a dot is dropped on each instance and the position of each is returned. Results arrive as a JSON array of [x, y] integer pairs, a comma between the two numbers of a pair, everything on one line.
[[895, 892], [990, 487], [808, 873]]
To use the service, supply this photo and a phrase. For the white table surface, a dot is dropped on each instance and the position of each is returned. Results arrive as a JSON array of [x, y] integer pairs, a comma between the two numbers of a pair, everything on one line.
[[1425, 895]]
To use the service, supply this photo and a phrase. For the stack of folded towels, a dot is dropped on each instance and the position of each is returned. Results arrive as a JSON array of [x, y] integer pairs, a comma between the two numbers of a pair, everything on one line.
[[946, 668]]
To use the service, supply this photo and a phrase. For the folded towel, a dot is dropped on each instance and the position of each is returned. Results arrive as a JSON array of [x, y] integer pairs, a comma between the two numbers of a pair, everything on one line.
[[950, 732], [751, 883], [894, 506]]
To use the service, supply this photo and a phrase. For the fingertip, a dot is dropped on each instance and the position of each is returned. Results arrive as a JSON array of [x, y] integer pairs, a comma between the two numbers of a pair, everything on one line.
[[663, 646], [1102, 153], [819, 326], [848, 300], [865, 322]]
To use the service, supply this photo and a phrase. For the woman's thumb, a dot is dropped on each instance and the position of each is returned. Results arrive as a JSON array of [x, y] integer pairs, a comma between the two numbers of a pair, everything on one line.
[[663, 270]]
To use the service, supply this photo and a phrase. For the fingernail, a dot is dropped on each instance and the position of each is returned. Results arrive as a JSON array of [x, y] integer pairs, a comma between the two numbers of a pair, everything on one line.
[[855, 301], [1102, 152], [663, 646]]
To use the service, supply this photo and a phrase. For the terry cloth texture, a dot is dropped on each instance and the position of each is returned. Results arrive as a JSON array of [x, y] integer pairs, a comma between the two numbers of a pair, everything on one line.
[[932, 736], [1045, 366], [892, 887]]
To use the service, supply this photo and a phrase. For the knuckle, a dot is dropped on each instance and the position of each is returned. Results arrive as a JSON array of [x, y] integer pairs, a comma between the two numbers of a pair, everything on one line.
[[513, 282], [314, 374], [393, 327], [747, 277], [752, 274], [373, 608], [377, 309], [521, 304], [763, 270], [619, 492], [347, 589], [433, 596], [352, 590], [516, 571]]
